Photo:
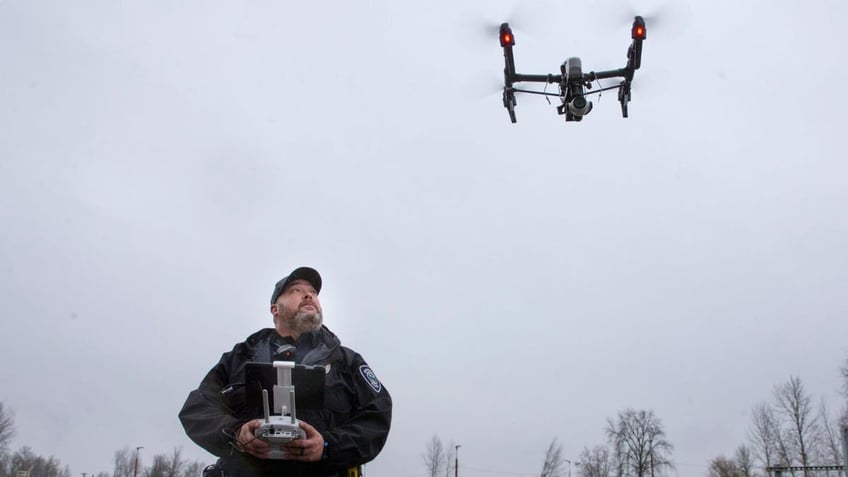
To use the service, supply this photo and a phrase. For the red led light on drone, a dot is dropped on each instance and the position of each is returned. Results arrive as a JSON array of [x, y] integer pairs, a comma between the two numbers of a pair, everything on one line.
[[639, 32]]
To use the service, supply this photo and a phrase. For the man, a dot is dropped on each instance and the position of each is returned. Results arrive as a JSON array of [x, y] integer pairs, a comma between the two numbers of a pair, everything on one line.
[[349, 431]]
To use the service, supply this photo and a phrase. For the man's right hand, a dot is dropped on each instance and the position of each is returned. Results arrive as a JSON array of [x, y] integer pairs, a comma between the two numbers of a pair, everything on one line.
[[250, 443]]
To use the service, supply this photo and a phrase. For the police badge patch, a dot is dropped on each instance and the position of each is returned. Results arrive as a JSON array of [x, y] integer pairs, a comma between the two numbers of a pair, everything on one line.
[[370, 378]]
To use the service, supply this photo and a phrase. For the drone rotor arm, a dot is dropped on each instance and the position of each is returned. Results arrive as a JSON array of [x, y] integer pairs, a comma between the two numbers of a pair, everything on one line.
[[598, 75], [537, 78]]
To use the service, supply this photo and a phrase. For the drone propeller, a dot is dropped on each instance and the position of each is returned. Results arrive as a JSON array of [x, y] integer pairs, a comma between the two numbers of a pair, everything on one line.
[[667, 18], [528, 18]]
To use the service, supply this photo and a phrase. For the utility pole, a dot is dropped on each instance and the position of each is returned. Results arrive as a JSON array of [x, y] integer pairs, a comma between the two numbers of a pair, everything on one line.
[[135, 472], [845, 451], [456, 463]]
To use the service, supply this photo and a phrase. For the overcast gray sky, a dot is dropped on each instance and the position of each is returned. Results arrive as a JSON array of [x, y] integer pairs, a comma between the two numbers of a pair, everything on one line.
[[163, 163]]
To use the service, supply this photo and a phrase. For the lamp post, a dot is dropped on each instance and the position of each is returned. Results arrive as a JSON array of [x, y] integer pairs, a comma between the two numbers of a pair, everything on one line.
[[845, 450], [135, 471], [456, 463], [569, 466]]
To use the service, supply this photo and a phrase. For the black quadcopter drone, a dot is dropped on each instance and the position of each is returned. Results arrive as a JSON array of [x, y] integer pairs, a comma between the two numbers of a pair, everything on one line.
[[573, 83]]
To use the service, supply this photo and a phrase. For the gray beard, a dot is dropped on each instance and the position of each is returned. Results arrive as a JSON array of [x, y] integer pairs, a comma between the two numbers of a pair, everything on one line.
[[305, 322]]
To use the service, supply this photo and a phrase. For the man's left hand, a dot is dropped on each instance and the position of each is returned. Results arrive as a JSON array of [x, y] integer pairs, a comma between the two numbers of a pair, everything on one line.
[[308, 449]]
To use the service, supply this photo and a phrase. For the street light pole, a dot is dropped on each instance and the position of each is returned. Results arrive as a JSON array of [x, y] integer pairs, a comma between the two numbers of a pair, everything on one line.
[[135, 471], [456, 463], [569, 467], [845, 449]]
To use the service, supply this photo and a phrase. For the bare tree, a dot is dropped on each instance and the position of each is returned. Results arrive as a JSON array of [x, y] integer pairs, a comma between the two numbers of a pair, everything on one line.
[[175, 463], [159, 467], [844, 371], [785, 450], [434, 456], [552, 467], [193, 469], [4, 464], [744, 461], [723, 467], [596, 462], [7, 426], [771, 444], [619, 457], [794, 404], [741, 465], [763, 434], [831, 445], [641, 439], [124, 465], [25, 459]]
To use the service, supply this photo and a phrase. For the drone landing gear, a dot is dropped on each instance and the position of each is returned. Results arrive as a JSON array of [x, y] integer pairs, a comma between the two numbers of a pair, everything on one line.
[[509, 103], [624, 96]]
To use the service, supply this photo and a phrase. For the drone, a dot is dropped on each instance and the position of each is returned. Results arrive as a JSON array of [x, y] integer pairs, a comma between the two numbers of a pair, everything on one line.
[[574, 85]]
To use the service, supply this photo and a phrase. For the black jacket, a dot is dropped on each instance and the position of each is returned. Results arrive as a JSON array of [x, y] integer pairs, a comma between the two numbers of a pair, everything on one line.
[[355, 422]]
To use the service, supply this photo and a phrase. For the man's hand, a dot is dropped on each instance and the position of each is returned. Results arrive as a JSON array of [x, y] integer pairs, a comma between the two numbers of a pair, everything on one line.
[[309, 449], [250, 443]]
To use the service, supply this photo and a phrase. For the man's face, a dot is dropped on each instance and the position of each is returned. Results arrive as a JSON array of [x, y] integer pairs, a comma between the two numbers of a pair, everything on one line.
[[298, 308]]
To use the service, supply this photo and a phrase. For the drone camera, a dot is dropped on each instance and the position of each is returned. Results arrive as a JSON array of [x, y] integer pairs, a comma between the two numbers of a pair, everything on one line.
[[578, 106], [506, 36]]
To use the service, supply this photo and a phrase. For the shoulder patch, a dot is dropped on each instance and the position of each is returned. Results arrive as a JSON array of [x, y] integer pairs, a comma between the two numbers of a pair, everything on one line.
[[370, 378]]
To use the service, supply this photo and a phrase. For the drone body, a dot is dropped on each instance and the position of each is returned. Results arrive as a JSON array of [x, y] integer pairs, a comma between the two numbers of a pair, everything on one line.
[[573, 83]]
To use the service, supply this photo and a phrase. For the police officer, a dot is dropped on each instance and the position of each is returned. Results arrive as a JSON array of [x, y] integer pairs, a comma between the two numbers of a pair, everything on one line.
[[350, 431]]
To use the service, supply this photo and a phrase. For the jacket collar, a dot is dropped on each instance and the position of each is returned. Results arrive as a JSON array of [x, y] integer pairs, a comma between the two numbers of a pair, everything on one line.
[[326, 344]]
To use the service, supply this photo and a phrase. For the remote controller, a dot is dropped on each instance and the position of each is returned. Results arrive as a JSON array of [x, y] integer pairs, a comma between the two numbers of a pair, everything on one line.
[[280, 429]]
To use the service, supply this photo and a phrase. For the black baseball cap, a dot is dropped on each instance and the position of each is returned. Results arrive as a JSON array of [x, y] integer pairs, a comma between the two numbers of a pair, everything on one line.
[[302, 273]]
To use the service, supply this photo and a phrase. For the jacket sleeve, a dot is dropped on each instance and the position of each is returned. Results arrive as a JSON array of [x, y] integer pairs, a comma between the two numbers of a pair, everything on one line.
[[207, 420], [362, 436]]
